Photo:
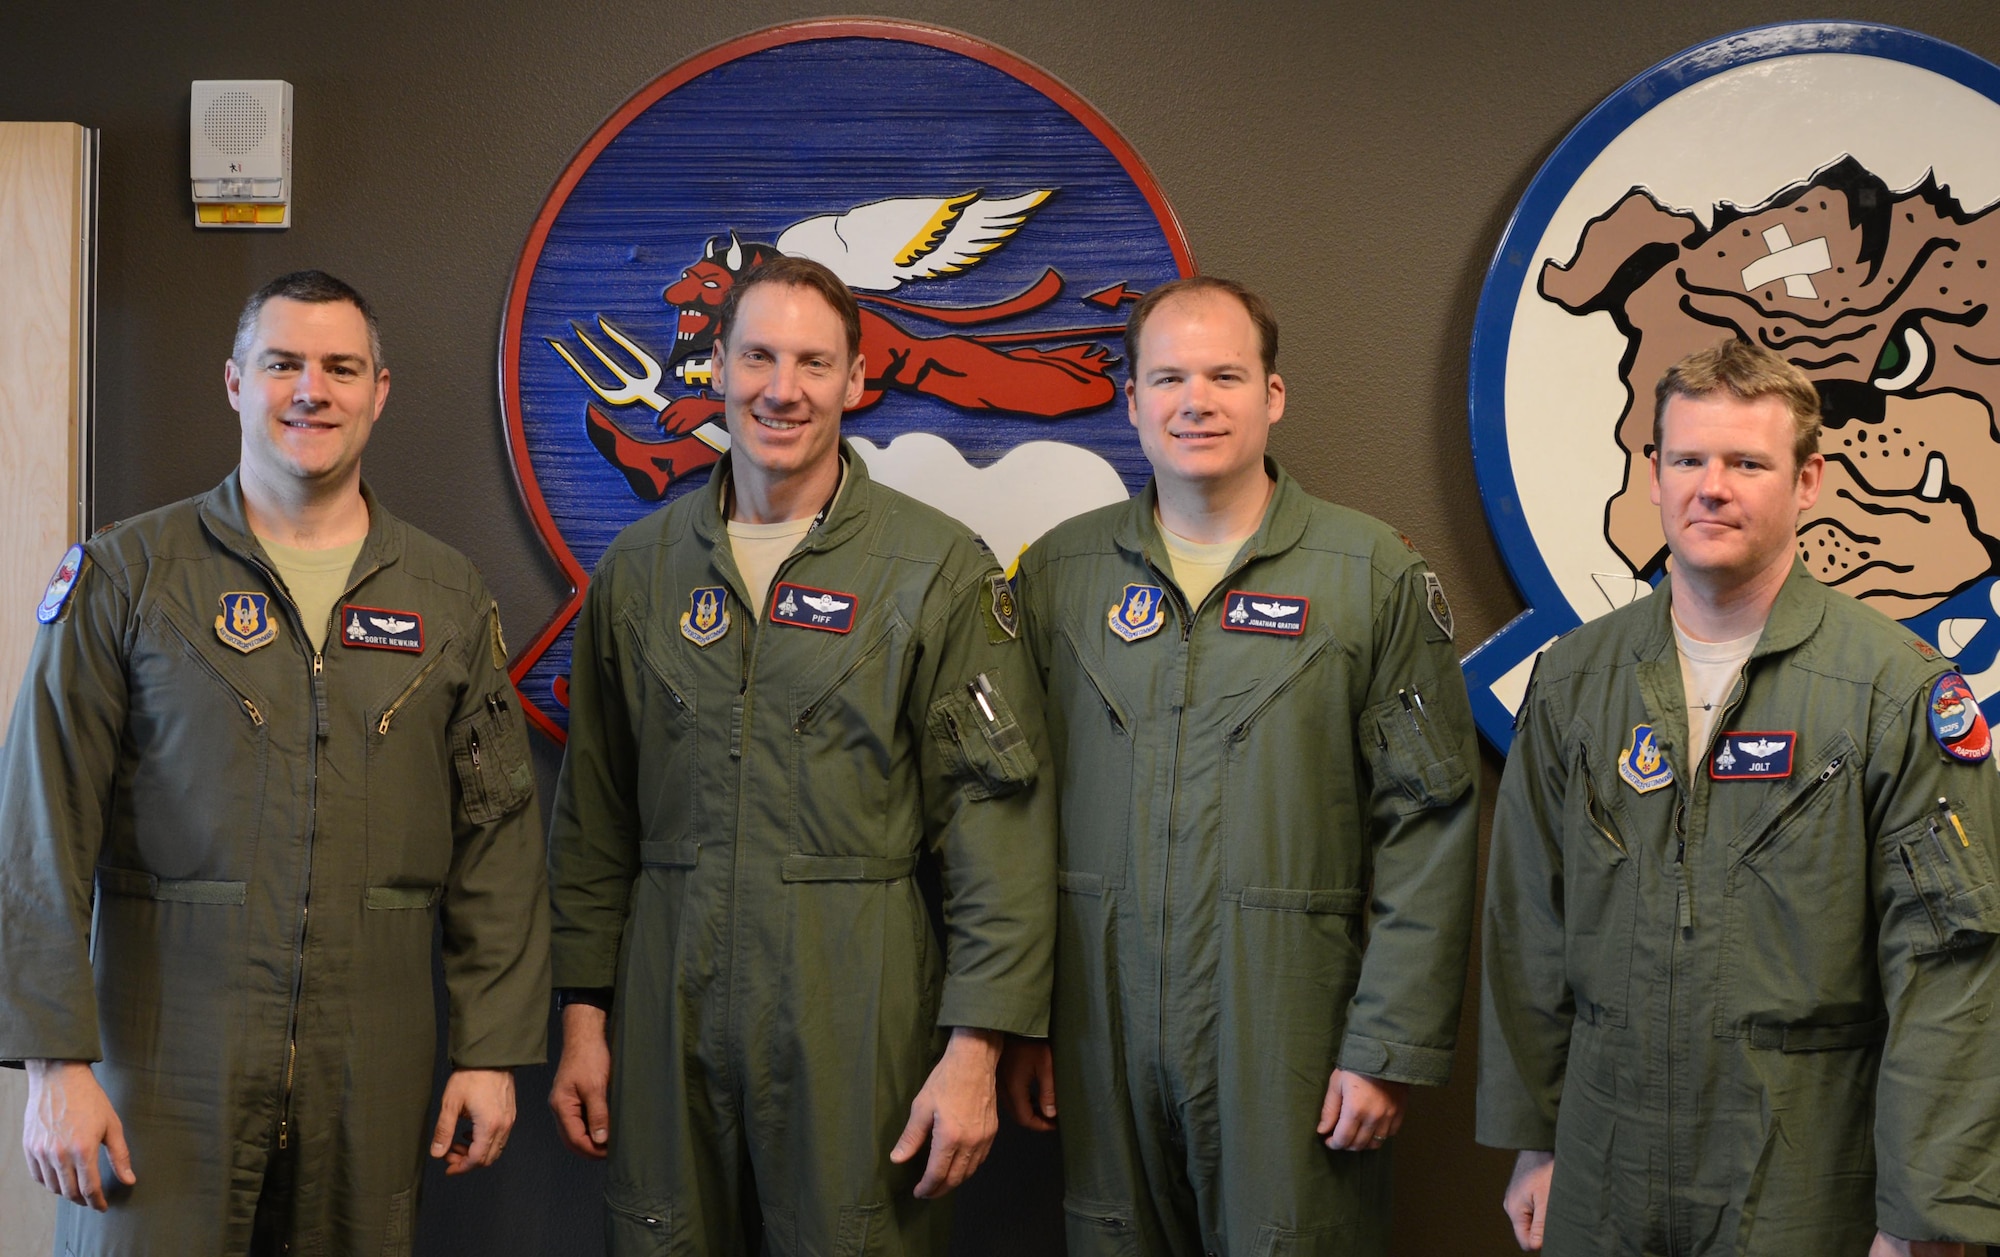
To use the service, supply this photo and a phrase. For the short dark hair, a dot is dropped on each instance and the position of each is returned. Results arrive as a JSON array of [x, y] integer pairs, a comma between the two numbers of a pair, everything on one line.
[[1747, 372], [314, 288], [794, 273], [1255, 306]]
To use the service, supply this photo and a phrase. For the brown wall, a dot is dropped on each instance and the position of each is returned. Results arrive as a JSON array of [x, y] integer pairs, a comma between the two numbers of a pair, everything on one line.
[[1355, 162]]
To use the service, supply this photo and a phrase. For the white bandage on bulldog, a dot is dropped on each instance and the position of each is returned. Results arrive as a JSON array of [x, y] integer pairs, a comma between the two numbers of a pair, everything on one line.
[[1789, 262]]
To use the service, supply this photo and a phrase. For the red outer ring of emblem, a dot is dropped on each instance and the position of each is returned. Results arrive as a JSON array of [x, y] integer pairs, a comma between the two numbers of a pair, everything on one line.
[[701, 63]]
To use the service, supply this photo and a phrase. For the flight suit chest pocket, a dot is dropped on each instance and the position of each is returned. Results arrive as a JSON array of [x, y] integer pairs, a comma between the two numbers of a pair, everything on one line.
[[852, 771], [1798, 922], [1407, 750], [1600, 890], [1091, 726], [662, 699], [979, 740], [410, 768], [490, 753], [1945, 896]]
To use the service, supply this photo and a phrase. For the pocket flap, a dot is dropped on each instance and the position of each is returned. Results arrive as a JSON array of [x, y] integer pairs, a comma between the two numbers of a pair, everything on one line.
[[662, 853], [138, 885], [1285, 899], [393, 897], [798, 867]]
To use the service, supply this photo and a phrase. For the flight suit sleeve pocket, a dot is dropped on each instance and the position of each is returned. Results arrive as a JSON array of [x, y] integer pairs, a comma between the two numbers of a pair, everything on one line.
[[490, 754], [981, 743], [1945, 895], [1407, 752]]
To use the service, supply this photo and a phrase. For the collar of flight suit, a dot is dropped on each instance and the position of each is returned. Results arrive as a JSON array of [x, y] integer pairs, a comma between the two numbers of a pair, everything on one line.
[[224, 515], [1284, 523], [848, 516], [1795, 616]]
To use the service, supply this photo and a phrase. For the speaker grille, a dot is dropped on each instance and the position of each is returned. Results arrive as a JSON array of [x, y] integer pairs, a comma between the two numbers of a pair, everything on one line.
[[235, 122]]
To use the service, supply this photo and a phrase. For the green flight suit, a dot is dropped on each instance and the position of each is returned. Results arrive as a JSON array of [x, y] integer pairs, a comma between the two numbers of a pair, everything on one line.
[[1749, 1016], [272, 838], [737, 834], [1266, 857]]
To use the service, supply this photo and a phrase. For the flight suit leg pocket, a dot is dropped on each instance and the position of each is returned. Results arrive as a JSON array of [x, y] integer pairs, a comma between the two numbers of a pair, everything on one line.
[[1096, 1229], [980, 741], [1945, 894], [490, 754], [637, 1225], [858, 1230]]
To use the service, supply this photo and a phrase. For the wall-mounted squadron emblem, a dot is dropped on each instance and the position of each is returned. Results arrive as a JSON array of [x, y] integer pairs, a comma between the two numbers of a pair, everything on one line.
[[1641, 765], [707, 617], [245, 622], [1138, 613]]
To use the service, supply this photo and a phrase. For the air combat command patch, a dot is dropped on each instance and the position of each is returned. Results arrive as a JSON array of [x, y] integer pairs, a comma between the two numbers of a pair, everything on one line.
[[1138, 613], [707, 616], [246, 621], [1641, 764]]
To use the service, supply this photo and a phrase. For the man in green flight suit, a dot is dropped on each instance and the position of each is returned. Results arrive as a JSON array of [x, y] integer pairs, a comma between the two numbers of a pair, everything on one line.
[[1267, 838], [790, 691], [271, 729], [1740, 915]]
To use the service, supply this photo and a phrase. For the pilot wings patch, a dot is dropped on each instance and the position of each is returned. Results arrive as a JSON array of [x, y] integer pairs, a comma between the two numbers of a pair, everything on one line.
[[380, 629]]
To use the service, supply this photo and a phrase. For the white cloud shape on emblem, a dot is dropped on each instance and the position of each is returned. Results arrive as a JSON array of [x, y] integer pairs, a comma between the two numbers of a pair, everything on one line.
[[1033, 487]]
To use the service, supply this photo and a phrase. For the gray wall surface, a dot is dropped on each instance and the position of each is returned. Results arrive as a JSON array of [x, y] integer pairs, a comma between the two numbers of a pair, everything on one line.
[[1355, 162]]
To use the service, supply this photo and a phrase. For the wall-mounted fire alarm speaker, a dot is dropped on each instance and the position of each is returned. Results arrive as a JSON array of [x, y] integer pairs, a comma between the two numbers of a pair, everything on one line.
[[240, 152]]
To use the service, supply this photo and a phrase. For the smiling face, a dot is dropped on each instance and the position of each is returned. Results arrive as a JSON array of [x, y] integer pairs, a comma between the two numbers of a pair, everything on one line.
[[1199, 396], [307, 393], [1729, 495], [785, 376]]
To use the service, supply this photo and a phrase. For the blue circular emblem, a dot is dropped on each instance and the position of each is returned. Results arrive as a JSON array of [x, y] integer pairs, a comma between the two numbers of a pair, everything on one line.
[[1825, 189], [994, 227]]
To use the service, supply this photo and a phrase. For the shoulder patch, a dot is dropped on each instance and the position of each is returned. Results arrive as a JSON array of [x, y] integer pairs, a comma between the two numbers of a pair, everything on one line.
[[996, 598], [1956, 721], [1436, 603], [55, 599], [499, 642]]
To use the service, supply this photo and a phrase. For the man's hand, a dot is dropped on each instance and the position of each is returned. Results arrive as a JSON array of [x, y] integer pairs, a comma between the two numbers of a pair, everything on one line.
[[1887, 1245], [1028, 1082], [1527, 1198], [1361, 1112], [69, 1118], [956, 1110], [583, 1079], [486, 1097]]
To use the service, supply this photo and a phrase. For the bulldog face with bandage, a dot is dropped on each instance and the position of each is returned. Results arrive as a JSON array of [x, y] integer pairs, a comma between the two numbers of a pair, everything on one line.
[[1888, 300]]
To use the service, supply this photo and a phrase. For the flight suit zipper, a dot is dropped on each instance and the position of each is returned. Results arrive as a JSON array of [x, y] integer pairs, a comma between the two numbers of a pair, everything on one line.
[[1590, 805], [242, 700], [416, 682], [1187, 616], [1684, 919], [320, 726]]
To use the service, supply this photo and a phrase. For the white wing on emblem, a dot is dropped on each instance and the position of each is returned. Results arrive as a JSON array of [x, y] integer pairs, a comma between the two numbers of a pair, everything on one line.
[[1763, 748], [879, 245], [1276, 610], [392, 624], [825, 606]]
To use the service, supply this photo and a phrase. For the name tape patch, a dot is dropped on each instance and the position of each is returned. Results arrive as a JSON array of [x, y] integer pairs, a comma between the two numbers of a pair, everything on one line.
[[1247, 612], [802, 606], [1753, 756], [378, 628]]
